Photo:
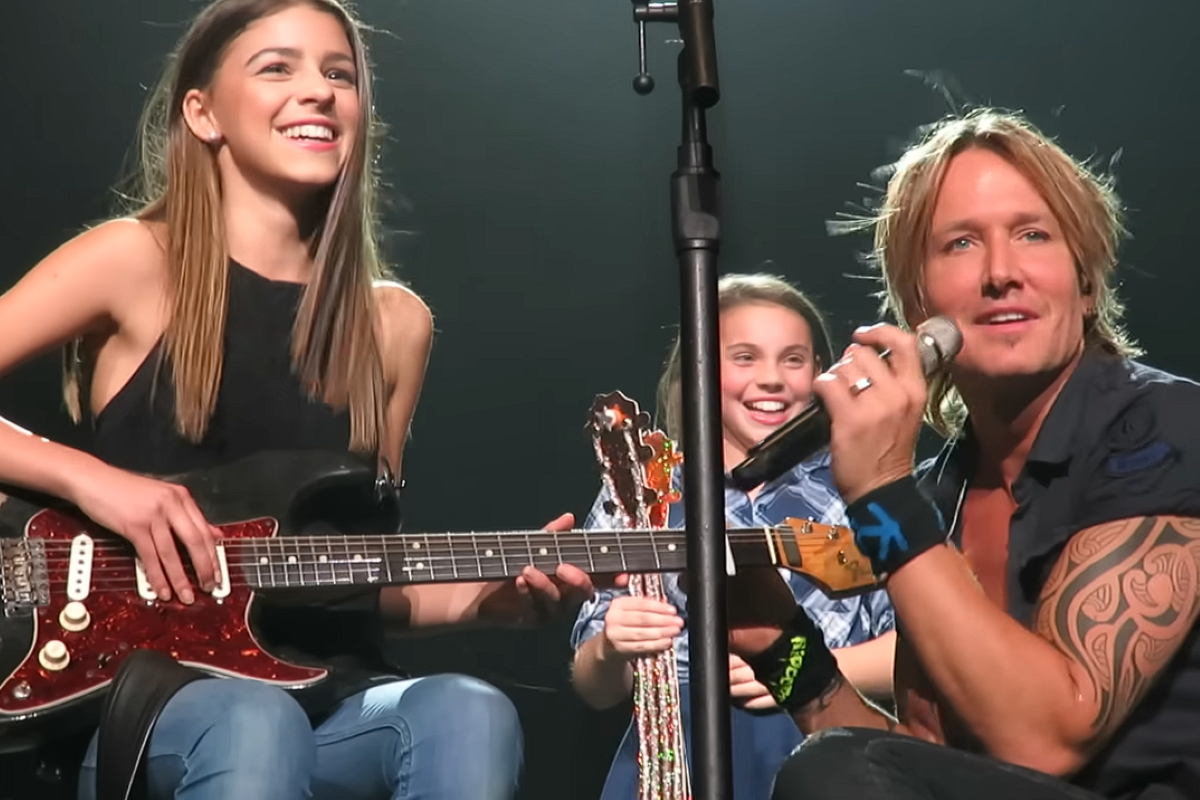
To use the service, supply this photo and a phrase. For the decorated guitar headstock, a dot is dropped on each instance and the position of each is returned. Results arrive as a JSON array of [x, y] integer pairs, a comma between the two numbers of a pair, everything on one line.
[[635, 461]]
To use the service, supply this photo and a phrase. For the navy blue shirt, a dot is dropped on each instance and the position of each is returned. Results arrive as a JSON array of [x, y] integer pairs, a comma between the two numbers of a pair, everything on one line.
[[1122, 441]]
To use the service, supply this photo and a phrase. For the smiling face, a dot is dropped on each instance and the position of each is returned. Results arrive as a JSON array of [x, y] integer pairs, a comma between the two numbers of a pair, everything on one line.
[[283, 105], [999, 265], [767, 370]]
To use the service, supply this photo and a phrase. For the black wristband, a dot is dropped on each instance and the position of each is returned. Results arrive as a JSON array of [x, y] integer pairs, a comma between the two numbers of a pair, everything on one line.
[[894, 524], [798, 667]]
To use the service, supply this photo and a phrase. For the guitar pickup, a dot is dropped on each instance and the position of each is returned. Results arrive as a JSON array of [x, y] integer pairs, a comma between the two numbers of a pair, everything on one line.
[[143, 585], [79, 571], [220, 591]]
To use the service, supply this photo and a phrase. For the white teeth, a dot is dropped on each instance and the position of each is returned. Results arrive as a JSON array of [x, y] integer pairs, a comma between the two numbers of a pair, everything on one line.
[[1012, 317], [768, 406], [323, 132]]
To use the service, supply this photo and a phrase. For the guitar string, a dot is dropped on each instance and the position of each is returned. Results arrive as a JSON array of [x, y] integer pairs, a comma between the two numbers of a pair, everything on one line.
[[340, 570], [425, 560], [293, 553], [630, 535], [420, 542]]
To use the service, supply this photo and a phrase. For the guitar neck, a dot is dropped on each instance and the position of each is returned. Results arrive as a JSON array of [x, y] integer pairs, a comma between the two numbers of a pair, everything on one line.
[[323, 561]]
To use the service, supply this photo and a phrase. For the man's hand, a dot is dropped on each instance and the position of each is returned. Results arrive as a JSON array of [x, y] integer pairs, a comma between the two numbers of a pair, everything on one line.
[[745, 691], [875, 406], [760, 604]]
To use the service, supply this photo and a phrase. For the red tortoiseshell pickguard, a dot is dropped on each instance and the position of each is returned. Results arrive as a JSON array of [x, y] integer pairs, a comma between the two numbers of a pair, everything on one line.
[[209, 634]]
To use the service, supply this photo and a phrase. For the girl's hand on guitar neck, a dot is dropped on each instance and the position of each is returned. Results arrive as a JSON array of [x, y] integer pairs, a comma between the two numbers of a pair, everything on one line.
[[151, 514], [533, 597]]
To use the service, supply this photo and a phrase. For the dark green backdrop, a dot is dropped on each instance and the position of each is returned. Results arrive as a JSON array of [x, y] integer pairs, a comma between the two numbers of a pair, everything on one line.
[[529, 205]]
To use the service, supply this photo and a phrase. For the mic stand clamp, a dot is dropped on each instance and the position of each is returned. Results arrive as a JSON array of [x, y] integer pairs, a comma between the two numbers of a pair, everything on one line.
[[695, 213]]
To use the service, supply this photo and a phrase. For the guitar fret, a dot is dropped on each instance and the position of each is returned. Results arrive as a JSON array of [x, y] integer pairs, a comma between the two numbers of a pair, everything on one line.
[[365, 561], [271, 562], [335, 565], [415, 561], [325, 559], [348, 559], [587, 546], [386, 547], [489, 552], [605, 557], [308, 557], [298, 556], [478, 560], [450, 554], [265, 552], [544, 559], [430, 560], [621, 551], [256, 554], [558, 548], [293, 574], [288, 561]]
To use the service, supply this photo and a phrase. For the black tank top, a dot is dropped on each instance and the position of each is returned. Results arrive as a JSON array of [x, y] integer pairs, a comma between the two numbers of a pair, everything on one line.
[[261, 405]]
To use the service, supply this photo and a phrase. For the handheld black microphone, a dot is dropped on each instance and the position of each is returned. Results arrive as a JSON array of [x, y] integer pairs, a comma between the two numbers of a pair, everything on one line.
[[938, 341]]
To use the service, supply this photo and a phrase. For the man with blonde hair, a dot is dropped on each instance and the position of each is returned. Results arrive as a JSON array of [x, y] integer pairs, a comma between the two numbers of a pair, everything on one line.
[[1045, 567]]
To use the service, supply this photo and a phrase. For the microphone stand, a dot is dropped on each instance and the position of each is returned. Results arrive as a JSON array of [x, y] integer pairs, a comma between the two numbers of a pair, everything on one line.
[[695, 213]]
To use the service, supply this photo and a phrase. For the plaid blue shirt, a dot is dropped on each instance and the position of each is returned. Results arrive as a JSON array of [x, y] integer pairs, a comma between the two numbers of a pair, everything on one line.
[[806, 492]]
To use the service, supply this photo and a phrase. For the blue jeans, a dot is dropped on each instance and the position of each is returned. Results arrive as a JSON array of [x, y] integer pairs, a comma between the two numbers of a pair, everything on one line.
[[436, 737], [760, 745]]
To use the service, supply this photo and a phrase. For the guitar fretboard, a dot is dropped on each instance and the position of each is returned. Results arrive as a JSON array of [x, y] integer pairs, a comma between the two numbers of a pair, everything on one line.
[[316, 561]]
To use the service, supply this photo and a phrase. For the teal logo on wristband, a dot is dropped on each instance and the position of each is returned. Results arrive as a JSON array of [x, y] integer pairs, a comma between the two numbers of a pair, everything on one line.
[[886, 530], [781, 688]]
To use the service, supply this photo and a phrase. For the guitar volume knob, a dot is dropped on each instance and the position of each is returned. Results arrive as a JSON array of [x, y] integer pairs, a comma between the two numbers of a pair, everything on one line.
[[74, 616], [54, 655]]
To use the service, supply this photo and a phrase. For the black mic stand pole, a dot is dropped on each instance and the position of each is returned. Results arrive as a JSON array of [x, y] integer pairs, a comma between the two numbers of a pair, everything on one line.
[[695, 212]]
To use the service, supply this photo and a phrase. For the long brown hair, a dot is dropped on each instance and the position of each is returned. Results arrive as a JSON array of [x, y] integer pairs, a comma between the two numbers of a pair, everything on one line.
[[1082, 200], [334, 349], [733, 291]]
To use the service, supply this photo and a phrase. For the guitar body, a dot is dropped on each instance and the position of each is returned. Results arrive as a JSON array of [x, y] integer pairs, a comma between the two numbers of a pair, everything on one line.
[[51, 660], [76, 603]]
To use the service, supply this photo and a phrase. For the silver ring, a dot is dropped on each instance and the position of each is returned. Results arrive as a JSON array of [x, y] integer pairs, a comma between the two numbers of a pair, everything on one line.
[[860, 386]]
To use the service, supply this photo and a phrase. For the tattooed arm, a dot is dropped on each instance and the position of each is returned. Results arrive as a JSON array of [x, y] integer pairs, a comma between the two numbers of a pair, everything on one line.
[[1121, 599], [1119, 602]]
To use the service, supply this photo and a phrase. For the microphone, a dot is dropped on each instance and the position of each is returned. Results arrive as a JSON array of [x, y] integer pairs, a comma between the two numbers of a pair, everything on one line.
[[938, 341]]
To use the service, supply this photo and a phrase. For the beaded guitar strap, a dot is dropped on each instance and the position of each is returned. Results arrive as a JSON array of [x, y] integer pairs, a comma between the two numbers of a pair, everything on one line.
[[636, 465]]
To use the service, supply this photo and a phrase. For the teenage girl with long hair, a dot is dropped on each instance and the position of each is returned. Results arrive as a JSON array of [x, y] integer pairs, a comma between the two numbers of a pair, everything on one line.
[[241, 307]]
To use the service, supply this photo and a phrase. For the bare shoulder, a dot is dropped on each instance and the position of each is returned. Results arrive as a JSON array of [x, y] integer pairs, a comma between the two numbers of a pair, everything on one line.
[[121, 241], [406, 323], [92, 283], [112, 257]]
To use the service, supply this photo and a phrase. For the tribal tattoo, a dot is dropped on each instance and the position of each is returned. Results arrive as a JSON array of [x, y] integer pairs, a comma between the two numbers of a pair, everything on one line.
[[1120, 600]]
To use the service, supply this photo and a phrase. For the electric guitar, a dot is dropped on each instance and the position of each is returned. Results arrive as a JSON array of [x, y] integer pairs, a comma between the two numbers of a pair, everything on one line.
[[77, 602]]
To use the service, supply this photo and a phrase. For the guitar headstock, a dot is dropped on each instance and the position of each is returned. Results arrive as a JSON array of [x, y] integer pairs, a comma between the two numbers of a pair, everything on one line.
[[826, 554], [635, 461]]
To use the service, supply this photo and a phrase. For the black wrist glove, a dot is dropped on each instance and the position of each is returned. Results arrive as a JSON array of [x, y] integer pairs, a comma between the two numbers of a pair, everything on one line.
[[894, 524], [798, 667]]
